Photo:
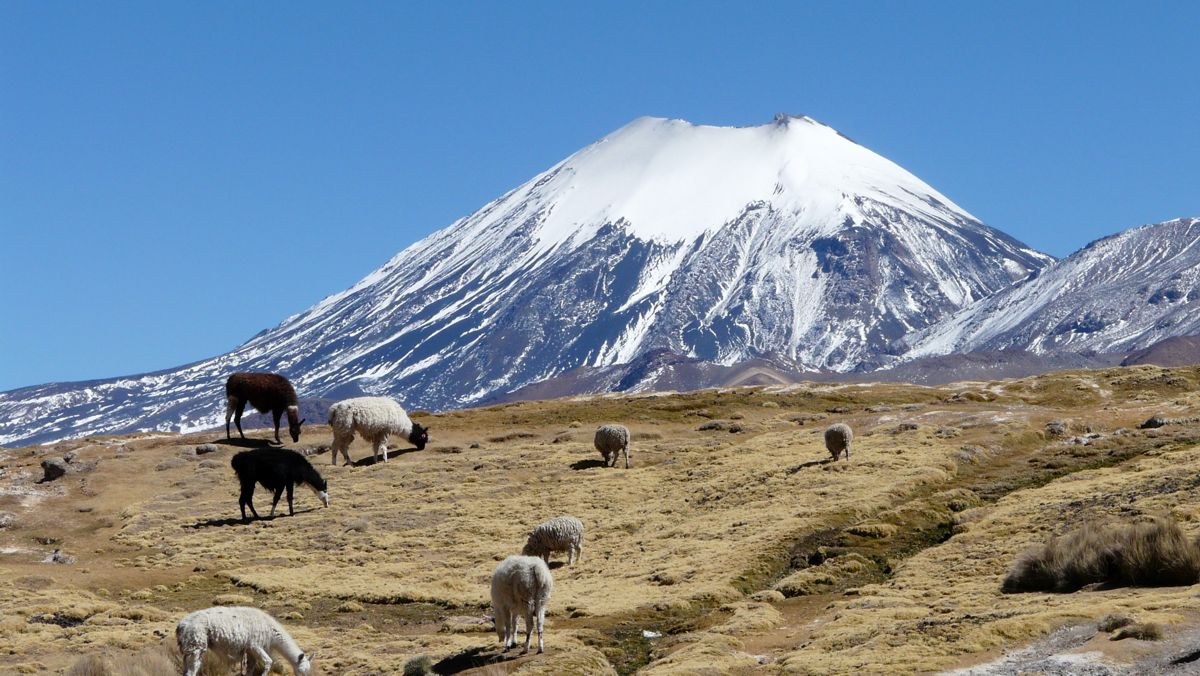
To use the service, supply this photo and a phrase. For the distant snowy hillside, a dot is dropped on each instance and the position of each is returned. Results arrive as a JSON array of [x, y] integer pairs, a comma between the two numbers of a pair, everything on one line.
[[1117, 294], [785, 240]]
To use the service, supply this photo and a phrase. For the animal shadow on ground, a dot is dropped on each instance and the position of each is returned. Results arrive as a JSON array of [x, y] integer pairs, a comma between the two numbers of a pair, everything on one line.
[[1187, 659], [244, 443], [587, 464], [473, 658], [237, 520], [810, 463], [553, 565], [370, 459]]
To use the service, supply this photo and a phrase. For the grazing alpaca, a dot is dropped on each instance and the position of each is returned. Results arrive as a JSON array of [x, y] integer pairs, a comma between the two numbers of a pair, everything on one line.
[[376, 419], [837, 439], [521, 584], [277, 469], [240, 633], [611, 441], [560, 534], [265, 392]]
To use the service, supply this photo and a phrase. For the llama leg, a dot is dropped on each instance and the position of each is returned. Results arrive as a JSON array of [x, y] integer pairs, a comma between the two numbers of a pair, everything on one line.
[[626, 464], [512, 628], [290, 488], [341, 442], [847, 452], [528, 614], [381, 445], [230, 403], [541, 624], [247, 499], [264, 659], [578, 552], [277, 414], [275, 501], [237, 416]]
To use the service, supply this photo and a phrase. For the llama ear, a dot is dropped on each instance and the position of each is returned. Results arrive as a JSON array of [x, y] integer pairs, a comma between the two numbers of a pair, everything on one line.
[[301, 422]]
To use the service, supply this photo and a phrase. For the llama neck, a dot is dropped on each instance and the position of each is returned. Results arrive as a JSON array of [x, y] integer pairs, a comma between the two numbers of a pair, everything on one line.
[[293, 413], [286, 646]]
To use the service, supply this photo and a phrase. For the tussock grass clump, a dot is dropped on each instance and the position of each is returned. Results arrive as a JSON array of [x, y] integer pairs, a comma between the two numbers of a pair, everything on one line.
[[149, 662], [1152, 553]]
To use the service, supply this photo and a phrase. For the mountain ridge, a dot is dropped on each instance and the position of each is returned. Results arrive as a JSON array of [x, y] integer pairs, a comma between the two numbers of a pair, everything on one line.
[[786, 242]]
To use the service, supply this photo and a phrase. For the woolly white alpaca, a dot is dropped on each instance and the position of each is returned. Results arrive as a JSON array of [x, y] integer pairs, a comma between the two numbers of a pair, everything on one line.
[[376, 419], [611, 441], [521, 584], [837, 439], [240, 633], [560, 534]]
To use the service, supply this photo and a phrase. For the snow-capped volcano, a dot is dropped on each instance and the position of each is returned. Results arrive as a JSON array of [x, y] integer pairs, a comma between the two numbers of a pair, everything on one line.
[[723, 244]]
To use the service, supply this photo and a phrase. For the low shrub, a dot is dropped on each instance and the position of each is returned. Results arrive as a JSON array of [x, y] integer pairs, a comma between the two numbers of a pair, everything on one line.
[[1151, 553]]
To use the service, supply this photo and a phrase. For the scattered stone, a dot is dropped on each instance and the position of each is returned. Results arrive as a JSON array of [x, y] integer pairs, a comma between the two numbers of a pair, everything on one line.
[[60, 557], [663, 579], [203, 449], [713, 426], [768, 596], [947, 432], [475, 444], [7, 519], [1056, 428], [770, 404], [69, 457], [905, 427], [1153, 422], [209, 463], [53, 468]]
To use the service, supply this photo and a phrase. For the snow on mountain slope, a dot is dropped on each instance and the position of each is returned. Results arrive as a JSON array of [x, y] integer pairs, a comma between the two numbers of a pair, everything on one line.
[[721, 244], [1118, 294]]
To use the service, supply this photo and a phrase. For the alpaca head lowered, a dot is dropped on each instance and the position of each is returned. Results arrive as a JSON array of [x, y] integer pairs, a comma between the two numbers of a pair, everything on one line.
[[294, 423], [419, 436], [304, 664]]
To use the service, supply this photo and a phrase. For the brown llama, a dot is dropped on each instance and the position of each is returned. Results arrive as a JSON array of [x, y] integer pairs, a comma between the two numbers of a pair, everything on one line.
[[265, 392]]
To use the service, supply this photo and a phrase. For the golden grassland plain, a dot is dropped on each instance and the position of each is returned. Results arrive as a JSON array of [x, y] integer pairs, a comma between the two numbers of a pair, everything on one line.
[[735, 549]]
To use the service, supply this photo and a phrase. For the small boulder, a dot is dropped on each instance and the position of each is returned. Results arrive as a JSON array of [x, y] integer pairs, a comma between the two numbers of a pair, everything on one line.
[[1056, 429], [7, 519], [53, 468], [1153, 422], [60, 557], [204, 449]]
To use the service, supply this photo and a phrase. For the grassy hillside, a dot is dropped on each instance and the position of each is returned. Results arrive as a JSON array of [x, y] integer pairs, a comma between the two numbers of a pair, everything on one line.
[[742, 545]]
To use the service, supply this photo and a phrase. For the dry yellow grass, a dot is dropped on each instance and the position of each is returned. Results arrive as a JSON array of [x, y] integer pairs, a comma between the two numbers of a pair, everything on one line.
[[402, 558]]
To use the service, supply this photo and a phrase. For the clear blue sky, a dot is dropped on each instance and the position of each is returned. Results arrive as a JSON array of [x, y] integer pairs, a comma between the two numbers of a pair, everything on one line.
[[177, 176]]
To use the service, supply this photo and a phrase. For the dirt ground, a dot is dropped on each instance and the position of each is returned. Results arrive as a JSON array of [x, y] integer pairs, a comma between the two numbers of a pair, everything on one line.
[[733, 544]]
